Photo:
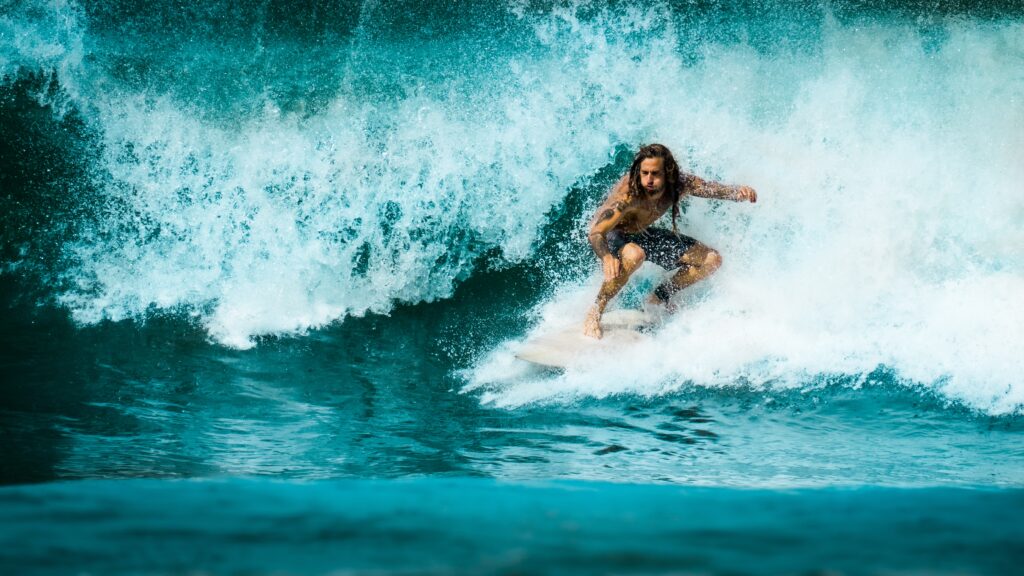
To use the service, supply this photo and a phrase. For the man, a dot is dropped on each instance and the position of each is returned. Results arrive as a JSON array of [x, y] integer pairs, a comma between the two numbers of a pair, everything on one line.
[[622, 237]]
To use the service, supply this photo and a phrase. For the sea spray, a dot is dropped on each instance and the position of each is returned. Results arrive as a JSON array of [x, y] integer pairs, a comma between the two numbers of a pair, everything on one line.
[[886, 236], [267, 180]]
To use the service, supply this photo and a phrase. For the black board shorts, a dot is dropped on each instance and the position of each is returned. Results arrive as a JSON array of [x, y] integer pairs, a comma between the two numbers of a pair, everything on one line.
[[663, 247]]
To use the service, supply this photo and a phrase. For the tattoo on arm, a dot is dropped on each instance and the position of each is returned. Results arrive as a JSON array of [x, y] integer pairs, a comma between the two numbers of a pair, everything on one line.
[[597, 233], [705, 189], [602, 225]]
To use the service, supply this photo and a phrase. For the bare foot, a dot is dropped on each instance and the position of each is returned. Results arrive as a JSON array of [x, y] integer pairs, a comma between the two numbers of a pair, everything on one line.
[[592, 325]]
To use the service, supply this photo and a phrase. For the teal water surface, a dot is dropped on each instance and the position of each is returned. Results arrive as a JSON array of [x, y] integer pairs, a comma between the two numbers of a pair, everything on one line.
[[431, 526]]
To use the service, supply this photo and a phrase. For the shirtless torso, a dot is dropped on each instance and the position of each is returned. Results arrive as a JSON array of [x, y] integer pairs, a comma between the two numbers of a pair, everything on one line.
[[622, 236]]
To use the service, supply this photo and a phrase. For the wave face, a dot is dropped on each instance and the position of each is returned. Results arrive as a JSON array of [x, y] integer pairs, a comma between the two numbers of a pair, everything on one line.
[[268, 169]]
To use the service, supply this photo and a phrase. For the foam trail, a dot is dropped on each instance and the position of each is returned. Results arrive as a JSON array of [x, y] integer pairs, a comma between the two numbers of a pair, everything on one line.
[[887, 233]]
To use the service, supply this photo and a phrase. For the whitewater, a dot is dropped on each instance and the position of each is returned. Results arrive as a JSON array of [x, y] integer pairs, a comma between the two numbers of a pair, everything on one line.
[[393, 162]]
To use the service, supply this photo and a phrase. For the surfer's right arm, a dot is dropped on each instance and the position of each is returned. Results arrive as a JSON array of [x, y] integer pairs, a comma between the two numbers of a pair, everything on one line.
[[608, 215]]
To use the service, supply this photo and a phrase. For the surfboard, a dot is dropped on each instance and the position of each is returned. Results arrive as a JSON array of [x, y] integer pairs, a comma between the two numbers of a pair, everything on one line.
[[567, 346]]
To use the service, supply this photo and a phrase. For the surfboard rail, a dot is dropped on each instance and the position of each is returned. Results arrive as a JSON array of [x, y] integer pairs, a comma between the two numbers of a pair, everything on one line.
[[569, 346]]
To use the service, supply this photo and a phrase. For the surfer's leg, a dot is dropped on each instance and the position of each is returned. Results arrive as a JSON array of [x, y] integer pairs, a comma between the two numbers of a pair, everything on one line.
[[697, 263], [631, 258]]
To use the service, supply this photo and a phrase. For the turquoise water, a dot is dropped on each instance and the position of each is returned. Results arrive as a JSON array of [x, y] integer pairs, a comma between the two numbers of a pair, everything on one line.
[[265, 267], [479, 526]]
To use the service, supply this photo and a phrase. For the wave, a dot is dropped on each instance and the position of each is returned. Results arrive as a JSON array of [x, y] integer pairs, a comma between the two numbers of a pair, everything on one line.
[[267, 183], [886, 236]]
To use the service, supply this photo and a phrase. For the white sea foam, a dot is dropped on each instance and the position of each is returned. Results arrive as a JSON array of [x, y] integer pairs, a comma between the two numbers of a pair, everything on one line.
[[888, 163], [888, 231], [282, 222]]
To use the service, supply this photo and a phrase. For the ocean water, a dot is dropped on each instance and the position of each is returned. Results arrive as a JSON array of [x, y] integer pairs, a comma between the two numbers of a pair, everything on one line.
[[264, 268]]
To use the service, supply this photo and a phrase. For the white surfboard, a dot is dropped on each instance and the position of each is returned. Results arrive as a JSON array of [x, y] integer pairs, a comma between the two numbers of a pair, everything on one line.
[[568, 346]]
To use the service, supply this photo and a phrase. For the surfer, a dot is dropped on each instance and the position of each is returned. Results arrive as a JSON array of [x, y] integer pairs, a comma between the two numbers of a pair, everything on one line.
[[622, 236]]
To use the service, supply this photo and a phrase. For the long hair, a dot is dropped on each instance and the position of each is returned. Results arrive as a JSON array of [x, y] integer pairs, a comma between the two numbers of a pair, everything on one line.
[[672, 183]]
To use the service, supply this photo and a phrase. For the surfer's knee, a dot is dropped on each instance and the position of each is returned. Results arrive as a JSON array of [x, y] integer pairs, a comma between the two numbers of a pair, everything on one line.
[[712, 260], [705, 259], [632, 256]]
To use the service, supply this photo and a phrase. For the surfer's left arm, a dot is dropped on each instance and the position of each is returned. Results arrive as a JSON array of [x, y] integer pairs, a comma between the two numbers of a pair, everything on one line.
[[707, 189]]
